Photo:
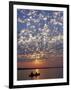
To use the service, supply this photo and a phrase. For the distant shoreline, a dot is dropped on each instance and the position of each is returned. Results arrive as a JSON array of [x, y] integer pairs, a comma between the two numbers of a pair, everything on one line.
[[38, 68]]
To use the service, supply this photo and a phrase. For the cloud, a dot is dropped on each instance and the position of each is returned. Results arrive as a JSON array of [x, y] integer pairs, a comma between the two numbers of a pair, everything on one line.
[[20, 20], [55, 22], [35, 35]]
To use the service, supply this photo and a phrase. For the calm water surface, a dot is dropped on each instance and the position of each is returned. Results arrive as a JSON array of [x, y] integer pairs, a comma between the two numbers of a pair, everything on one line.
[[50, 73]]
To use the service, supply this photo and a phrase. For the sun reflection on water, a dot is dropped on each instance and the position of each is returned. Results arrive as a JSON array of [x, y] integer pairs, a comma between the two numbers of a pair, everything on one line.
[[37, 70]]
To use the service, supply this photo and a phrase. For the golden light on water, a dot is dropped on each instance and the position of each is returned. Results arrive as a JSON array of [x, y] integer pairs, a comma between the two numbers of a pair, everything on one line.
[[37, 70]]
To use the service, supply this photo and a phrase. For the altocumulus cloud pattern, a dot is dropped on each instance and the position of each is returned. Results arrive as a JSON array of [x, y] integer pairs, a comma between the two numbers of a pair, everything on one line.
[[39, 30]]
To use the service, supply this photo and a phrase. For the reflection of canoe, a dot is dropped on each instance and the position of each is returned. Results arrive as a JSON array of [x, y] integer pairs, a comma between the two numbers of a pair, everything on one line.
[[34, 74]]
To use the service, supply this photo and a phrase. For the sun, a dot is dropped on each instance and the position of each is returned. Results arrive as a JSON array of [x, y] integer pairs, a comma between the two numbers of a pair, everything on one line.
[[36, 61]]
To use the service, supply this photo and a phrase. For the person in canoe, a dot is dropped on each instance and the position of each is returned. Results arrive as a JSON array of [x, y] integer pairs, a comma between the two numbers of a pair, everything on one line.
[[34, 74]]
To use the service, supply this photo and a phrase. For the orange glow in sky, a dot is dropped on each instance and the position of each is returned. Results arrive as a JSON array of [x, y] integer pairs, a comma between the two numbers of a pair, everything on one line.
[[37, 61]]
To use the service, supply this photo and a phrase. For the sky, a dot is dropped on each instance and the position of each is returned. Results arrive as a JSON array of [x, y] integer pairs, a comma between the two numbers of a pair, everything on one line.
[[39, 30]]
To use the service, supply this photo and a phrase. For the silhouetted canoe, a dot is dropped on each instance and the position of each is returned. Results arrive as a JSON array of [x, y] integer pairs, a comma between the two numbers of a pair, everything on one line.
[[34, 74]]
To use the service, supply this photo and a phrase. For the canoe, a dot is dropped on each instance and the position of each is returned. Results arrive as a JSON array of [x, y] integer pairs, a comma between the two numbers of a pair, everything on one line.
[[34, 74]]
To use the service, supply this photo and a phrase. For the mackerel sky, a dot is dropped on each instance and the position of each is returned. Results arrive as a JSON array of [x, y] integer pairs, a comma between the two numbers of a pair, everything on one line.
[[36, 29]]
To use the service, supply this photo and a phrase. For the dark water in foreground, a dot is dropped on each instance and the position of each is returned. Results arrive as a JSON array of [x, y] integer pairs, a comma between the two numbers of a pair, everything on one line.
[[50, 73]]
